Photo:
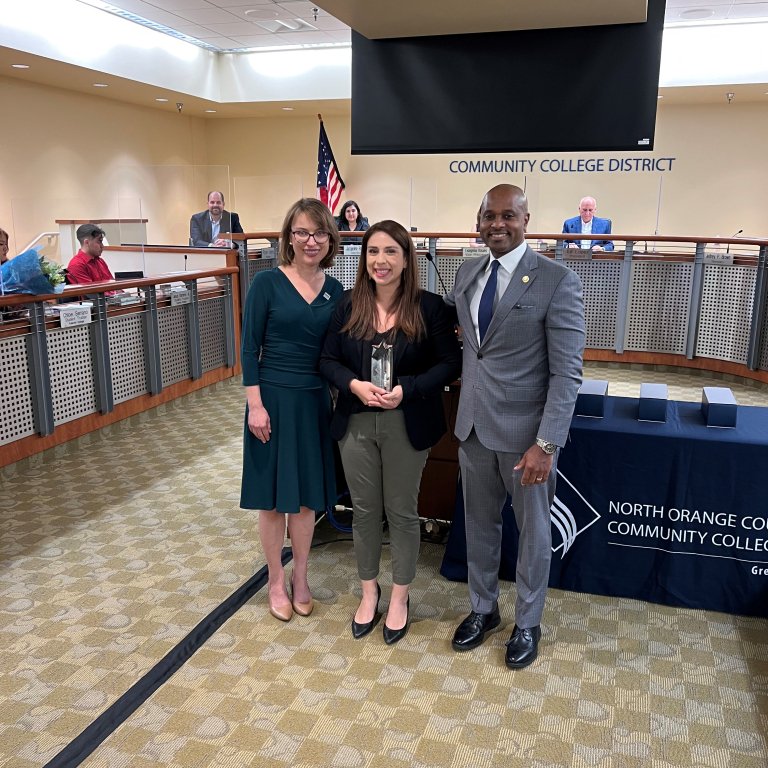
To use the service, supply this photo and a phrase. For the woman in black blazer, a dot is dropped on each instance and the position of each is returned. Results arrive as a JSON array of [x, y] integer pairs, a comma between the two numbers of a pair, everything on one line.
[[385, 432], [350, 219]]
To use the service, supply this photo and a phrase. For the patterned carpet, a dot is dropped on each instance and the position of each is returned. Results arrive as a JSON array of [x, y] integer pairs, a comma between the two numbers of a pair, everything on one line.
[[115, 546]]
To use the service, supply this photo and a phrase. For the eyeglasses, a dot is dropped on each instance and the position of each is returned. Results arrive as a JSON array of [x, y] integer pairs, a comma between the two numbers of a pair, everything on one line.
[[302, 236]]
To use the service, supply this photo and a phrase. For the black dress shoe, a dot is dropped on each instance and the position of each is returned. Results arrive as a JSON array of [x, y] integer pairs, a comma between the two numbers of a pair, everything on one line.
[[471, 632], [361, 630], [523, 647], [391, 636]]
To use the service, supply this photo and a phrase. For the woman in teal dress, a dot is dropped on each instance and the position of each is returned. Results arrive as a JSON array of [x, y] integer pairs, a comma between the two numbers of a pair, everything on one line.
[[288, 467]]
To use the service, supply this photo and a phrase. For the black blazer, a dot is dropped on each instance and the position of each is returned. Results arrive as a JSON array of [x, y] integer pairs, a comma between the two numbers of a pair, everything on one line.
[[422, 368], [360, 226], [200, 227]]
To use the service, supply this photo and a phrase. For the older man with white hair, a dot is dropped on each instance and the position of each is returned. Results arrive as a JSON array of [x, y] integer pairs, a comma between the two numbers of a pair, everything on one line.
[[586, 223]]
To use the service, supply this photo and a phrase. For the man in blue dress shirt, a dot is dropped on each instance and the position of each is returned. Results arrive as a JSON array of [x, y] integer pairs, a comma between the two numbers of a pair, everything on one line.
[[586, 223]]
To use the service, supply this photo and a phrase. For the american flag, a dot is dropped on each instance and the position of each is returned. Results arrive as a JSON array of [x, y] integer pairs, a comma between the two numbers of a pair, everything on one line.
[[329, 182]]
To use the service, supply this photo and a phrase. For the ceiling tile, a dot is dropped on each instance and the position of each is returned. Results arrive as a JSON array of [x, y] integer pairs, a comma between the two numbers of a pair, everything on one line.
[[749, 11], [193, 30], [257, 41], [221, 42], [206, 16], [176, 5], [235, 29], [340, 35], [310, 38], [260, 12], [240, 3], [139, 7], [151, 12], [219, 18], [328, 22], [303, 9]]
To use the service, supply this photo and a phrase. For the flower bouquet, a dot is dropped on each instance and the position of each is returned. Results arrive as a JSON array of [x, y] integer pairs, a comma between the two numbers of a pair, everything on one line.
[[29, 272]]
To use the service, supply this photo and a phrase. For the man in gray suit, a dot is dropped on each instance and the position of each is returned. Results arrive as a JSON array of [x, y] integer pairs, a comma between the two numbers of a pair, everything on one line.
[[522, 316], [205, 227]]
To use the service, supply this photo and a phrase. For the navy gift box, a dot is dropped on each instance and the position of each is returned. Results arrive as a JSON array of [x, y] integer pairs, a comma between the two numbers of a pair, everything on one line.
[[653, 402], [591, 398], [718, 406]]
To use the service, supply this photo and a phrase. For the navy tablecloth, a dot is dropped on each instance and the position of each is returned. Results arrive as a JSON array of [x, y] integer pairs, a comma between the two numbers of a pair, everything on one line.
[[673, 513]]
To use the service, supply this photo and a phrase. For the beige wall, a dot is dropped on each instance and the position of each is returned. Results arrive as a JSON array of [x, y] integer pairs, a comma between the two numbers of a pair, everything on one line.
[[716, 185], [68, 155]]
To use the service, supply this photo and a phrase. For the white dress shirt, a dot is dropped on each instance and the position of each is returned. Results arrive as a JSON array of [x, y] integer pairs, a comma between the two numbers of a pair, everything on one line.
[[507, 265], [586, 229]]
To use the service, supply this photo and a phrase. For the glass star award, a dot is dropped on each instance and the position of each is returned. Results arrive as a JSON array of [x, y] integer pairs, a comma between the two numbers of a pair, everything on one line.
[[381, 365]]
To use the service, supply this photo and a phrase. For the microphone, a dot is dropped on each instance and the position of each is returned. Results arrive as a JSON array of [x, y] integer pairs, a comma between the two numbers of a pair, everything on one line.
[[431, 260], [735, 234]]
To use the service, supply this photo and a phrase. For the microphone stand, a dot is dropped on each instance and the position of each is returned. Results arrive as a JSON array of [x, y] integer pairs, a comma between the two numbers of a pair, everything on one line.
[[735, 234], [431, 260]]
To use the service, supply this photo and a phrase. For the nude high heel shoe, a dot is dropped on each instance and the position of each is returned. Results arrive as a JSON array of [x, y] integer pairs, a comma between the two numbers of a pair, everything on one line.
[[303, 609], [283, 613]]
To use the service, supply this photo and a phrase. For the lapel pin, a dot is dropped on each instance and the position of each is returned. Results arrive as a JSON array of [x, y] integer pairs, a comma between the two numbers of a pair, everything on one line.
[[526, 278]]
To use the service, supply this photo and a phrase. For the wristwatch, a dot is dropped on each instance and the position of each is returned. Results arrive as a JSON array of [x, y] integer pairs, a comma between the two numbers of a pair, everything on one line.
[[548, 448]]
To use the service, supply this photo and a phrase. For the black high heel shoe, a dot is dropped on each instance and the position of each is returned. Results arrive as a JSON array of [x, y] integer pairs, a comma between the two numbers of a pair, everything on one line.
[[391, 636], [361, 630]]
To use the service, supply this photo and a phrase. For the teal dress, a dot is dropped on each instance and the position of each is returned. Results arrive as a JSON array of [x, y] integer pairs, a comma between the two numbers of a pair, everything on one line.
[[282, 339]]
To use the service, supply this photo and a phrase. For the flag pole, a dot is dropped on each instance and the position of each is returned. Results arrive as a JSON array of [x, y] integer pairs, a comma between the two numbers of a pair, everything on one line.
[[320, 118]]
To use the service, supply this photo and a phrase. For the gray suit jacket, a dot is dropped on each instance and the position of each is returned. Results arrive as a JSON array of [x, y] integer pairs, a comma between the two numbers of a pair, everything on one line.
[[200, 227], [523, 380]]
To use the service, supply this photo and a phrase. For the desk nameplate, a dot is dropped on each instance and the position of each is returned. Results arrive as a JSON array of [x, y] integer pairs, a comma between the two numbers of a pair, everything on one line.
[[717, 258], [475, 251], [71, 316], [577, 254], [180, 296]]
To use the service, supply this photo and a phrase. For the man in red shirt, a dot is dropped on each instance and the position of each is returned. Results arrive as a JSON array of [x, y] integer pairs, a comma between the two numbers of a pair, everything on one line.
[[86, 265]]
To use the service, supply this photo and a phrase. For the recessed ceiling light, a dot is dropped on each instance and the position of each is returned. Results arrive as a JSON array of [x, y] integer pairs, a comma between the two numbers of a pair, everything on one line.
[[697, 13], [100, 85], [20, 66], [210, 110], [262, 13], [287, 109], [161, 99]]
